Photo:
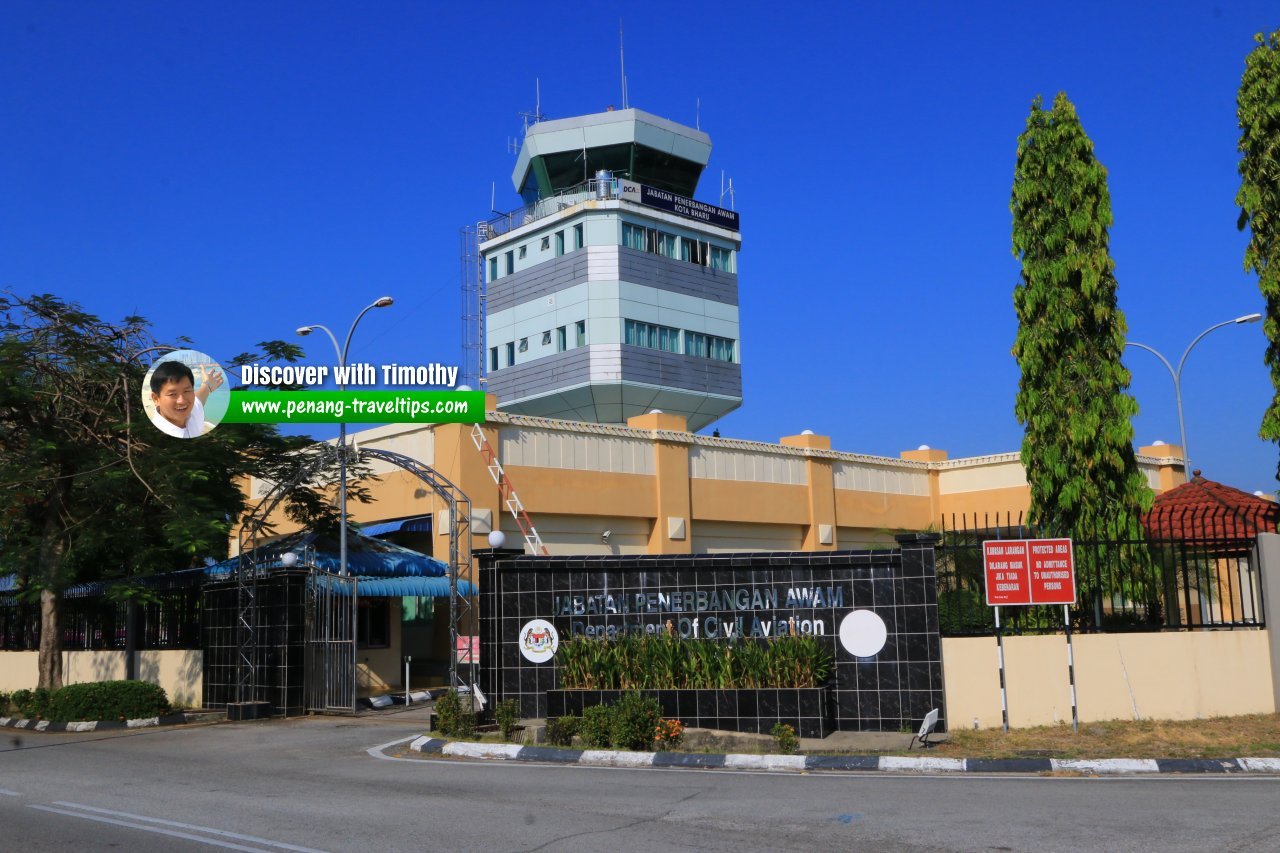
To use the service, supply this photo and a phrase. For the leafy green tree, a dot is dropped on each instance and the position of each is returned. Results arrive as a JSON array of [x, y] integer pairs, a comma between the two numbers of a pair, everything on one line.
[[1072, 398], [1258, 109], [89, 490]]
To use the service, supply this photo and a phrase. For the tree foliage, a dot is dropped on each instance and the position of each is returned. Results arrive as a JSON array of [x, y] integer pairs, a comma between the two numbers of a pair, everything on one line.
[[89, 490], [1258, 110], [1072, 397]]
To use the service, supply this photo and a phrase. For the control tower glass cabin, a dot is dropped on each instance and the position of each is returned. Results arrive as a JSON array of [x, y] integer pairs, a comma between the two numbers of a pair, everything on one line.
[[612, 292]]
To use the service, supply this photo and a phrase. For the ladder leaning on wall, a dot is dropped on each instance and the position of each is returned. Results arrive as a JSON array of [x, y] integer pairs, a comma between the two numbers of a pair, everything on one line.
[[507, 492]]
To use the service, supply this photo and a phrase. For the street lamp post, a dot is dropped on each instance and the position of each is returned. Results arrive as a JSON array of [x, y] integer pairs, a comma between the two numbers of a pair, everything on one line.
[[381, 302], [1177, 375]]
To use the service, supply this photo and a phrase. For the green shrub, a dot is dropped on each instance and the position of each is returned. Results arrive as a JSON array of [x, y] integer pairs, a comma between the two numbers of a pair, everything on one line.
[[785, 738], [507, 713], [635, 719], [596, 727], [4, 703], [464, 728], [454, 718], [98, 700], [560, 730], [108, 700], [31, 704]]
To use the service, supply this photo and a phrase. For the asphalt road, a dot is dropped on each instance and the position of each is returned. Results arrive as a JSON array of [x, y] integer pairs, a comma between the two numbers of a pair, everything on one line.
[[311, 784]]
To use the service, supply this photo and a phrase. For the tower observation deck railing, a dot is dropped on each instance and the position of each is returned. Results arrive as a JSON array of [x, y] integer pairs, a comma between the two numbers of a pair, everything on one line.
[[591, 190], [544, 207]]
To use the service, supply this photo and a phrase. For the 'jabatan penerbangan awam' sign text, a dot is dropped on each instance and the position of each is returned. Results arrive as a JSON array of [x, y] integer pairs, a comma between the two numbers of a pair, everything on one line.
[[1029, 571]]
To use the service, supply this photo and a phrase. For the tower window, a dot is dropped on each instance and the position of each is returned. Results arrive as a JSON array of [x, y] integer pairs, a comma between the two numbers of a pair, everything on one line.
[[633, 236], [511, 354], [651, 336], [511, 262], [524, 345], [559, 243], [524, 250], [562, 339], [580, 328], [493, 268], [708, 346], [493, 358], [546, 242], [578, 241]]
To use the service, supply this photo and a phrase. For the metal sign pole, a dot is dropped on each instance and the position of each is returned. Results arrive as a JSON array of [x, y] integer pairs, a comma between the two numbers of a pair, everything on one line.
[[1071, 668], [1004, 700], [407, 659]]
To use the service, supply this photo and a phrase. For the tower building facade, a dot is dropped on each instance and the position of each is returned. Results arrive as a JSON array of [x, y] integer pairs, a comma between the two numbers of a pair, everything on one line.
[[612, 292]]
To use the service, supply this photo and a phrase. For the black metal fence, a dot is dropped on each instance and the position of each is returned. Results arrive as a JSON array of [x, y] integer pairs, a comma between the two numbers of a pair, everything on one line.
[[167, 617], [1184, 569]]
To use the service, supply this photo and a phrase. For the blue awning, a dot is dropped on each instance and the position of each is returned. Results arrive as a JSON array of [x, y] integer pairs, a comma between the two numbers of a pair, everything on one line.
[[416, 524], [413, 587], [366, 556]]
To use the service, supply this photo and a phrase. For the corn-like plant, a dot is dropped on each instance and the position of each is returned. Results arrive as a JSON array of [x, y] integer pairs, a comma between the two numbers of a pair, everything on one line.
[[665, 662]]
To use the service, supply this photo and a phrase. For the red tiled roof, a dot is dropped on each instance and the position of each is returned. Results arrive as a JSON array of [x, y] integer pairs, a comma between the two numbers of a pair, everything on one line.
[[1203, 509]]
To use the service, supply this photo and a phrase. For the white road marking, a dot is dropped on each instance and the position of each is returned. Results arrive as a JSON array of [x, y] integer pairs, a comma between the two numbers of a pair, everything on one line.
[[4, 792], [376, 751], [222, 832], [146, 828]]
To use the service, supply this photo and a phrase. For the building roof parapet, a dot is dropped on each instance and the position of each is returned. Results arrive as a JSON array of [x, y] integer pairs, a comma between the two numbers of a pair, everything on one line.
[[620, 431]]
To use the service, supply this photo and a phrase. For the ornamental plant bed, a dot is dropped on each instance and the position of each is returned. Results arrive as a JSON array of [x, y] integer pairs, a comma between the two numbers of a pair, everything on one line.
[[741, 686], [754, 711]]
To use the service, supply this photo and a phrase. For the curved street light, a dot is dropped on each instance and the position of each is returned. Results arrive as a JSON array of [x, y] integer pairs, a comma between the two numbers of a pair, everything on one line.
[[303, 331], [1177, 376]]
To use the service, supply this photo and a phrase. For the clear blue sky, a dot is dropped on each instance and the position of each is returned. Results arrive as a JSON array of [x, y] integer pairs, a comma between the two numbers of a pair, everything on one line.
[[234, 170]]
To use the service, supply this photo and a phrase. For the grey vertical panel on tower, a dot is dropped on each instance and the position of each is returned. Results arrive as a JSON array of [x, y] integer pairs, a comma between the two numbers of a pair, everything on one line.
[[650, 270]]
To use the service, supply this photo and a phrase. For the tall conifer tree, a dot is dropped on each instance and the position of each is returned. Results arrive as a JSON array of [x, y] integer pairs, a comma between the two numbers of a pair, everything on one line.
[[1072, 397], [1258, 109]]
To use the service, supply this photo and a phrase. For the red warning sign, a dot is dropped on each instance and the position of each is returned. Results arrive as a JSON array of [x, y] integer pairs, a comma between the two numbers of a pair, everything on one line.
[[1005, 563], [1053, 571], [1029, 571]]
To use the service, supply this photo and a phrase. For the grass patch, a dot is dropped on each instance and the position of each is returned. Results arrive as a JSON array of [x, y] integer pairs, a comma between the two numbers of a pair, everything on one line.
[[1255, 736]]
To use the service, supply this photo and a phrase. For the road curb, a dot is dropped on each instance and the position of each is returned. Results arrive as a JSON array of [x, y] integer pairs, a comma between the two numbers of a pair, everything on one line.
[[92, 725], [893, 764]]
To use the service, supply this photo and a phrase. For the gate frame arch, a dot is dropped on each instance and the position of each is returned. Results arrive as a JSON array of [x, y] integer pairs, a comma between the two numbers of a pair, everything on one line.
[[248, 571]]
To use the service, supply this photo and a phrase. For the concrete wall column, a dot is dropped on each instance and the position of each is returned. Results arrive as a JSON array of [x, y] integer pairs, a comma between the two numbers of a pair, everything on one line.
[[1173, 466], [1269, 569], [672, 530], [820, 533], [924, 453]]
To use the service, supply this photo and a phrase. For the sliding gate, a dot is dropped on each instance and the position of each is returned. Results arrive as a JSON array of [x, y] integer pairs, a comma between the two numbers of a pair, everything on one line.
[[330, 671]]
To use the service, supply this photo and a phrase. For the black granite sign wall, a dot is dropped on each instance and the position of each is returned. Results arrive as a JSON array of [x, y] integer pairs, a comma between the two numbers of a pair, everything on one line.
[[877, 685]]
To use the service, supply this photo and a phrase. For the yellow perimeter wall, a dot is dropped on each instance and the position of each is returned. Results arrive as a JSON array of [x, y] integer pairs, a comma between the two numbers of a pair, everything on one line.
[[660, 489], [179, 672], [1183, 676]]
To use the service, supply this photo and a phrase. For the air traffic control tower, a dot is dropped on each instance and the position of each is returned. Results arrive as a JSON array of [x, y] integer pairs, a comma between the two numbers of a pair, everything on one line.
[[612, 292]]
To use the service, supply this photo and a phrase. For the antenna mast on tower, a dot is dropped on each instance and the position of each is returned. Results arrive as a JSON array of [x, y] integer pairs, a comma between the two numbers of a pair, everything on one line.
[[622, 65], [535, 116]]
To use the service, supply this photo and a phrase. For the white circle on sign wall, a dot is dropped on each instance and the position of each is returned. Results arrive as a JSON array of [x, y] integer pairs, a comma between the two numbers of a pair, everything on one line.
[[539, 640], [863, 633]]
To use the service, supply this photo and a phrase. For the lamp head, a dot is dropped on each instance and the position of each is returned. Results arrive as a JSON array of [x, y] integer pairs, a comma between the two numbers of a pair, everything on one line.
[[1249, 318], [303, 331], [383, 302]]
